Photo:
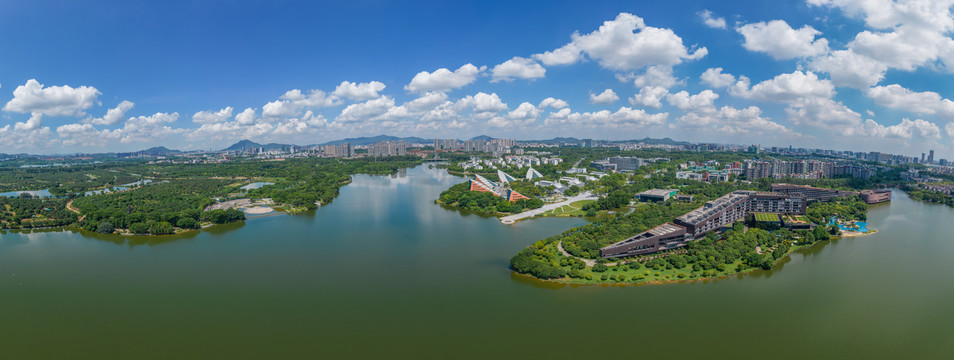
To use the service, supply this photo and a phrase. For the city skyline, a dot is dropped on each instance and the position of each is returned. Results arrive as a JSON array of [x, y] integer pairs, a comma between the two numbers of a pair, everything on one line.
[[840, 75]]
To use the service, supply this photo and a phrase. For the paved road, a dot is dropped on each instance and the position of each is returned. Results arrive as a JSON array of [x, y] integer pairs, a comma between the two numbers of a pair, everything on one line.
[[531, 213]]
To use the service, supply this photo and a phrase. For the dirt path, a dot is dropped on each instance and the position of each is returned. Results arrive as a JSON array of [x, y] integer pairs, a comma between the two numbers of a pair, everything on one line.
[[70, 207]]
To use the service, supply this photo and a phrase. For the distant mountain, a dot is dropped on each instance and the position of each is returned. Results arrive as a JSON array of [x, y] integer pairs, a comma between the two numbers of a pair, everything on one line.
[[556, 140], [154, 151], [482, 137], [245, 145], [368, 140], [663, 141]]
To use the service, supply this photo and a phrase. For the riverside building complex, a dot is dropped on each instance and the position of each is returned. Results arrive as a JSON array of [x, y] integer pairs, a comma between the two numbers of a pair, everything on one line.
[[717, 214]]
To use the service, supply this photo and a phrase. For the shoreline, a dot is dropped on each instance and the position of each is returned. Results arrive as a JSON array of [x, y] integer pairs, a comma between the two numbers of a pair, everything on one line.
[[566, 281]]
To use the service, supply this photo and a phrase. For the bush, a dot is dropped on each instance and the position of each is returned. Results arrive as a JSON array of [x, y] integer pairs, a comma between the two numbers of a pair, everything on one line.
[[139, 228], [161, 228], [105, 228], [187, 223]]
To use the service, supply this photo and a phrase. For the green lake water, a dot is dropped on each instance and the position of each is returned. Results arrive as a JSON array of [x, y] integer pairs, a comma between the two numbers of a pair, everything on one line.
[[383, 272]]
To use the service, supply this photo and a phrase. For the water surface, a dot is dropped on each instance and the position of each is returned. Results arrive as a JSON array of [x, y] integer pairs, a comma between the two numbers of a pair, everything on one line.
[[383, 272]]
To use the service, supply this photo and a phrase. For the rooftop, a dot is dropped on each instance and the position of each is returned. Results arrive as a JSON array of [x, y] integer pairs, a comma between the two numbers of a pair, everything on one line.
[[714, 206]]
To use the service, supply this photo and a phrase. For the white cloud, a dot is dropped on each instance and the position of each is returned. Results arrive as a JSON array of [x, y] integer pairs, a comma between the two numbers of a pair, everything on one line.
[[909, 34], [443, 79], [785, 87], [625, 44], [777, 39], [565, 55], [482, 103], [33, 123], [517, 67], [897, 97], [293, 102], [427, 101], [826, 114], [606, 97], [366, 110], [33, 97], [847, 68], [553, 103], [37, 139], [113, 115], [623, 118], [660, 76], [206, 117], [730, 120], [949, 128], [358, 91], [703, 101], [715, 78], [649, 96], [246, 117], [712, 21], [524, 114], [907, 129]]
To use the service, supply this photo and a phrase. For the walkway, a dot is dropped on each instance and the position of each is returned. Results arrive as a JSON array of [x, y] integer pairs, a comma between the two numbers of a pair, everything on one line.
[[510, 219]]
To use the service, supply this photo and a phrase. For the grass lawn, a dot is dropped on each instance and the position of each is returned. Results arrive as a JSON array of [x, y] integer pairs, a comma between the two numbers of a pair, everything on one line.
[[573, 209], [766, 217]]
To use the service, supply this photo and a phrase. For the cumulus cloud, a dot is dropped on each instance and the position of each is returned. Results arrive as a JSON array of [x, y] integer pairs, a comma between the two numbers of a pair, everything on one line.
[[625, 44], [777, 39], [730, 120], [293, 102], [366, 110], [33, 97], [427, 101], [517, 67], [848, 68], [32, 124], [907, 35], [246, 117], [565, 55], [650, 96], [206, 117], [660, 76], [523, 115], [897, 97], [711, 20], [443, 79], [113, 115], [826, 114], [358, 92], [483, 103], [715, 78], [785, 87], [701, 102], [949, 128], [552, 103], [606, 97], [35, 139], [625, 117], [907, 129]]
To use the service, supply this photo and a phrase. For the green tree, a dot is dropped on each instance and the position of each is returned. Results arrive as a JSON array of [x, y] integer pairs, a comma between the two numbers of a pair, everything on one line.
[[105, 228]]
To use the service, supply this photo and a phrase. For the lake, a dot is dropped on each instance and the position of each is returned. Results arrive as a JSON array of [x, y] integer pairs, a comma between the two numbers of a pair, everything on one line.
[[383, 272]]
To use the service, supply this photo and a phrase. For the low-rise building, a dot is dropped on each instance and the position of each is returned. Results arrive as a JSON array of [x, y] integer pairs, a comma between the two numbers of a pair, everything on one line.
[[657, 195], [876, 196]]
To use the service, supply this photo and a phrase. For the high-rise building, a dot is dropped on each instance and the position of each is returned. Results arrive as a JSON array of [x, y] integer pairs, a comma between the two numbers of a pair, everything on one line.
[[388, 148], [930, 157], [923, 157]]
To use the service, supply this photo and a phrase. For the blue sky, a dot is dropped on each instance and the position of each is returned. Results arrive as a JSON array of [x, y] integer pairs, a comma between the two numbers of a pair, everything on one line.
[[119, 76]]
